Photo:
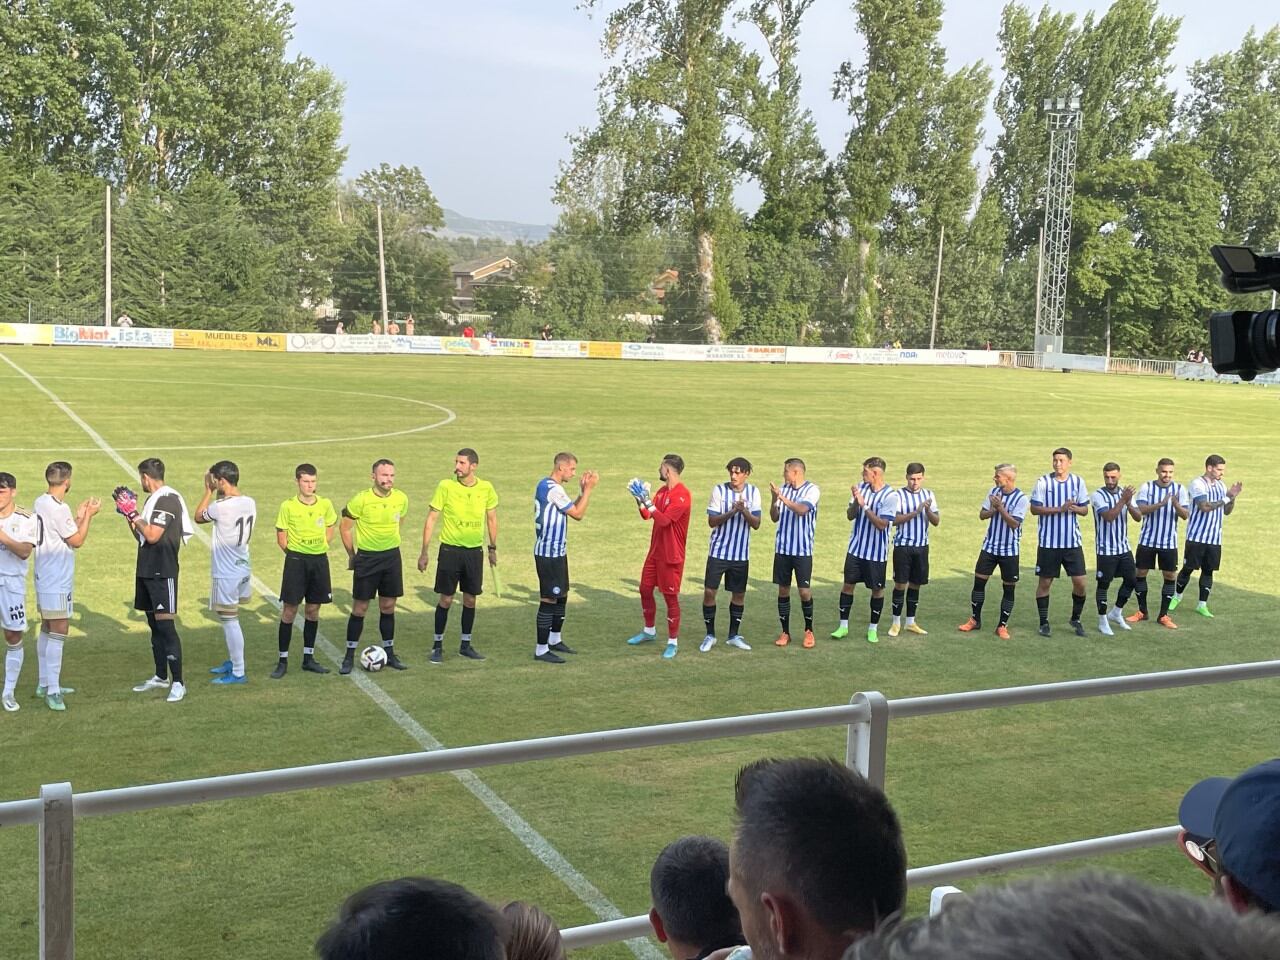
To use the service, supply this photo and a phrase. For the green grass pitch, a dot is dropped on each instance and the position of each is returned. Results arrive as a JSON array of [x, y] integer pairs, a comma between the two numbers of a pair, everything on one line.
[[259, 878]]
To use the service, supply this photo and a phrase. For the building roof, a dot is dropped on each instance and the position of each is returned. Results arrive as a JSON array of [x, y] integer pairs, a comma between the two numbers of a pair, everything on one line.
[[472, 267]]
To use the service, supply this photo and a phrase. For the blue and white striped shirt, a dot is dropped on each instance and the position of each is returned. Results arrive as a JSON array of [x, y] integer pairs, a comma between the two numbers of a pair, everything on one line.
[[1205, 526], [1002, 540], [795, 532], [1060, 530], [550, 525], [1111, 537], [1159, 528], [914, 532], [732, 539], [865, 541]]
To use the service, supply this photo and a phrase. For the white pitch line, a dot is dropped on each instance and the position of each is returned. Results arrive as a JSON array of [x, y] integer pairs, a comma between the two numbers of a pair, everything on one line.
[[533, 841]]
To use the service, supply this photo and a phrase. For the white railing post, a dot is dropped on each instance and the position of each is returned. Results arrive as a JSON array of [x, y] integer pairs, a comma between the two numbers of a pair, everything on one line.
[[57, 873], [869, 739]]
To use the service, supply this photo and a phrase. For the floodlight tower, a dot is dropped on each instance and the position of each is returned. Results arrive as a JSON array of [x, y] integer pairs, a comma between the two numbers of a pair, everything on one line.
[[1064, 130]]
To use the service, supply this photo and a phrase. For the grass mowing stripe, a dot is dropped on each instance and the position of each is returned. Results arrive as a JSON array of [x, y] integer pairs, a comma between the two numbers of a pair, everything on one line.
[[533, 841]]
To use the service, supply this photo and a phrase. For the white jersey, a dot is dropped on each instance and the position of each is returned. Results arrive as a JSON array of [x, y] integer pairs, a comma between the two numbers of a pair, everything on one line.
[[233, 519], [19, 526], [55, 561]]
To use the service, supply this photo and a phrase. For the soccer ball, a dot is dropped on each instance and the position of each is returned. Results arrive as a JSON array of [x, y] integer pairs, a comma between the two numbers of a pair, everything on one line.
[[373, 659]]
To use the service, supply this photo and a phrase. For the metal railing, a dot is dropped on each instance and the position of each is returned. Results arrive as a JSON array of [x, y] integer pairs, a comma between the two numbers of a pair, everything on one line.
[[1027, 360], [867, 717]]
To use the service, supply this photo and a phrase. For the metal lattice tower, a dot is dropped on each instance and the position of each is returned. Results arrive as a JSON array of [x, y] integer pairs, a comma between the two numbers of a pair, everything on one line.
[[1064, 130]]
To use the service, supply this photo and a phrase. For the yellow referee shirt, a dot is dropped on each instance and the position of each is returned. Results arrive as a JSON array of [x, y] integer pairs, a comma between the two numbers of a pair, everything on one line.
[[304, 524], [377, 519], [463, 509]]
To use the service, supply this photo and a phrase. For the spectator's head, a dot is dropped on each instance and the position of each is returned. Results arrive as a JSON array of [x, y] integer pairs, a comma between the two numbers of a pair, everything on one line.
[[692, 913], [1088, 916], [817, 861], [413, 918], [1235, 826], [531, 934]]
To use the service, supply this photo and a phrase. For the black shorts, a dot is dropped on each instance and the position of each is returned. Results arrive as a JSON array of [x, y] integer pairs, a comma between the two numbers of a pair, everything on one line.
[[1050, 561], [861, 570], [1113, 565], [155, 594], [987, 563], [378, 573], [911, 565], [1158, 558], [305, 577], [1204, 557], [553, 577], [461, 567], [784, 565], [734, 573]]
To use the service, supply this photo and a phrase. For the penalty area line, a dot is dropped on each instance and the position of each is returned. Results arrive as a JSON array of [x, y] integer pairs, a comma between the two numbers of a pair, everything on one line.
[[521, 829]]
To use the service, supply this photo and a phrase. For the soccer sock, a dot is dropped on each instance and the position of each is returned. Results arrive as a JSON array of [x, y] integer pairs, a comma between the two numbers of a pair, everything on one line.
[[784, 613], [172, 646], [234, 636], [53, 662], [1184, 577], [557, 618], [544, 628], [309, 630], [1166, 594], [387, 629], [649, 607], [806, 608], [355, 627], [877, 608], [1042, 607], [673, 615], [913, 602], [1124, 593], [977, 596], [42, 647], [157, 647], [468, 622], [12, 667], [1100, 598], [1077, 605], [898, 597], [1140, 588], [709, 618], [846, 604], [442, 621], [1006, 604], [284, 633], [735, 618], [1206, 584]]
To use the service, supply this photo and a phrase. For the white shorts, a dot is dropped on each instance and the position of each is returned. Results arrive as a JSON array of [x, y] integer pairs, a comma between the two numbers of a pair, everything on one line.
[[54, 606], [13, 603], [229, 593]]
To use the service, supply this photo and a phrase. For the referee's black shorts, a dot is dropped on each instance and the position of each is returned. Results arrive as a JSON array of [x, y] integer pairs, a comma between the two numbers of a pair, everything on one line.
[[305, 578], [1050, 561], [911, 565], [785, 564], [1112, 565], [1157, 558], [987, 563], [461, 567], [733, 572], [862, 570], [1204, 557], [378, 573], [553, 577]]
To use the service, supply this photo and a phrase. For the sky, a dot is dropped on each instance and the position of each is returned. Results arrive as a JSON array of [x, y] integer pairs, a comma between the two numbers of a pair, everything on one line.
[[483, 99]]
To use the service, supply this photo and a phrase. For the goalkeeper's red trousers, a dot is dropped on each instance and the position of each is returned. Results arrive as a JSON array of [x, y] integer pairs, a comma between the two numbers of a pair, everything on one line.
[[666, 578]]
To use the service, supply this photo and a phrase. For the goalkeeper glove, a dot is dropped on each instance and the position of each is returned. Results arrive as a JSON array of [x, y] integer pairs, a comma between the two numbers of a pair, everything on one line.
[[640, 490], [126, 503]]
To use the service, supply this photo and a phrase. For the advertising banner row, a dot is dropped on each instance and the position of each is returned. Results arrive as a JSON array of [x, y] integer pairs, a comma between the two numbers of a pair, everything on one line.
[[1203, 371]]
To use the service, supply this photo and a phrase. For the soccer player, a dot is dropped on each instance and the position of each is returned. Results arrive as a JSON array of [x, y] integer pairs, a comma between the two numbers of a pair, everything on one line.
[[917, 512], [872, 507], [370, 531], [58, 536], [232, 515], [469, 507], [18, 534], [161, 527], [1059, 499], [1111, 511], [664, 563], [1005, 509], [304, 530], [734, 511], [1159, 505], [1211, 500], [794, 508], [551, 505]]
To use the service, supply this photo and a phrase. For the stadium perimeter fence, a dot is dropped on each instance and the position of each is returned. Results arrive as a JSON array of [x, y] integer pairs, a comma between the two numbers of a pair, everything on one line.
[[867, 717]]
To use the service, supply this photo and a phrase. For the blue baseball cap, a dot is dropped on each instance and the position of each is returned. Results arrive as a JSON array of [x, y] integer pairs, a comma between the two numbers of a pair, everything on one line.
[[1243, 817]]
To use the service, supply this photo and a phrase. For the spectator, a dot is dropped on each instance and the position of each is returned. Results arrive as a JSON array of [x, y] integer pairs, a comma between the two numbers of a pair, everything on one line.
[[339, 329], [393, 328], [490, 335], [408, 325], [1191, 355], [817, 861], [897, 344], [411, 918], [531, 934], [124, 320], [546, 332], [692, 913], [1200, 357], [988, 346], [377, 328], [1235, 825], [1089, 916], [469, 331]]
